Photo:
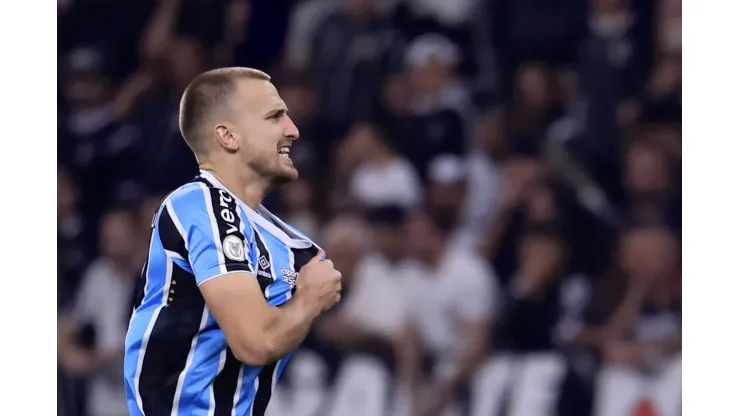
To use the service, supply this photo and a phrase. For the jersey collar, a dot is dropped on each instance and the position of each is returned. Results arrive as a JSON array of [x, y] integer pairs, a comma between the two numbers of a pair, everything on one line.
[[260, 218]]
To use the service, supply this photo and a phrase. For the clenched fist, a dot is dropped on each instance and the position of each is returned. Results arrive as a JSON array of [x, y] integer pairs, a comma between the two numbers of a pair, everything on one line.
[[319, 282]]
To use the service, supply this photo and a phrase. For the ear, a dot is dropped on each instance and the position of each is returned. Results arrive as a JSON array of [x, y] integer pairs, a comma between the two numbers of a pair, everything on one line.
[[225, 137]]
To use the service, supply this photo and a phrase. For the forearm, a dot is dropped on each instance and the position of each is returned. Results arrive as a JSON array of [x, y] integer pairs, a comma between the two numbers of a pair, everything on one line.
[[66, 341], [489, 248], [590, 336], [408, 359], [373, 345], [666, 346], [627, 313], [468, 361], [158, 33], [289, 326]]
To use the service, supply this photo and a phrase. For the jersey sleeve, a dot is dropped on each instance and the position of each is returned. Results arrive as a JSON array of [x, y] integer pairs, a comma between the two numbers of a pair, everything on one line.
[[217, 240]]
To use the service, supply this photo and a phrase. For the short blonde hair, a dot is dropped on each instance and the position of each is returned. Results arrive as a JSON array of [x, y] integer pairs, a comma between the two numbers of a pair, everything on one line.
[[207, 92]]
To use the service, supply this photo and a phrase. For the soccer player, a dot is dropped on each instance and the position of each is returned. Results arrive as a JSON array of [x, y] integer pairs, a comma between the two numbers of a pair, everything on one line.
[[222, 305]]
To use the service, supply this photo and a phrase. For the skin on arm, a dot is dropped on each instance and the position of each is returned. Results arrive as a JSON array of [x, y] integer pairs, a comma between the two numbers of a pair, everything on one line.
[[258, 333], [474, 311], [408, 355], [346, 334], [476, 346], [72, 355], [160, 30]]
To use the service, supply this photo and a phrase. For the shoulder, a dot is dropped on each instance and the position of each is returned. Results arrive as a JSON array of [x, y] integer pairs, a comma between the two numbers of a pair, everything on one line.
[[203, 206], [473, 265], [95, 274], [198, 198], [98, 266], [411, 271], [191, 195], [182, 205], [404, 167], [360, 173]]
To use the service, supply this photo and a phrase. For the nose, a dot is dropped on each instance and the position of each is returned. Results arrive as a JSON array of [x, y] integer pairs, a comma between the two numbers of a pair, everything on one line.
[[290, 130]]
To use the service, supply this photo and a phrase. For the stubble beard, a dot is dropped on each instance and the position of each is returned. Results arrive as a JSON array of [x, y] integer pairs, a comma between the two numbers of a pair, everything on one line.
[[273, 176]]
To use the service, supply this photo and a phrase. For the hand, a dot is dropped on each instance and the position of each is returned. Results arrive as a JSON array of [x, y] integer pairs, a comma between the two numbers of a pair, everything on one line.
[[78, 361], [622, 353], [319, 282], [433, 401], [517, 176], [441, 393], [337, 330], [236, 20]]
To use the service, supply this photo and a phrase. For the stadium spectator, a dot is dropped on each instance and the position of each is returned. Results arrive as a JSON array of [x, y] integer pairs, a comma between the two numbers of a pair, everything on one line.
[[91, 332], [453, 296], [541, 130], [379, 175]]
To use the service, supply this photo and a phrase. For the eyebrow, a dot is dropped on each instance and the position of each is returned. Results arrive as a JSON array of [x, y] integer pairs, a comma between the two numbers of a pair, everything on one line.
[[276, 111]]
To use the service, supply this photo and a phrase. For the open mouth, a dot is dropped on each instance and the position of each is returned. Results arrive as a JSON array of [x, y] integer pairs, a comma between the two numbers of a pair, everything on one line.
[[284, 151]]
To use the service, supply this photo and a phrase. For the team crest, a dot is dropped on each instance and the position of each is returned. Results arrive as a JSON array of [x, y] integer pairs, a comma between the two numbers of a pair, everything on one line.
[[233, 248]]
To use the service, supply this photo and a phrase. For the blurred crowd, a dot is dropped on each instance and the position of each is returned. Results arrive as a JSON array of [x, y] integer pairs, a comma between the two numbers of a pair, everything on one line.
[[499, 182]]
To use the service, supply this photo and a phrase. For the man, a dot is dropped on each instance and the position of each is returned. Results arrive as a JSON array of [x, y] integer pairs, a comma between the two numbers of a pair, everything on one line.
[[91, 332], [373, 310], [367, 327], [450, 308], [214, 326]]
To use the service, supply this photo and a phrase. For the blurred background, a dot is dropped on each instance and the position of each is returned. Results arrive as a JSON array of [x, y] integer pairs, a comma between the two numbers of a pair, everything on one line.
[[498, 180]]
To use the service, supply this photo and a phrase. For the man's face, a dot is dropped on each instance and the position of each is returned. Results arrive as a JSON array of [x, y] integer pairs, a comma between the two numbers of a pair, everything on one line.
[[447, 196], [421, 237], [386, 240], [345, 255], [430, 77], [119, 235], [532, 85], [647, 172], [649, 254], [540, 205], [264, 131], [86, 90]]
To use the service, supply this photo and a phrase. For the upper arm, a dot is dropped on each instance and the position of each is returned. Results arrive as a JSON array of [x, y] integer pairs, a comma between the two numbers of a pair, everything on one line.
[[477, 303], [237, 304], [222, 251], [216, 239]]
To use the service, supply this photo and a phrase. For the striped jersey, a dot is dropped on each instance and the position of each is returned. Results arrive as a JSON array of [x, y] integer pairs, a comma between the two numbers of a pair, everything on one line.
[[177, 360]]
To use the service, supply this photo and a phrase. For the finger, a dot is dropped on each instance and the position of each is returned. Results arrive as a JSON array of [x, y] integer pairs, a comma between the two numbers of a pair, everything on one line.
[[317, 258]]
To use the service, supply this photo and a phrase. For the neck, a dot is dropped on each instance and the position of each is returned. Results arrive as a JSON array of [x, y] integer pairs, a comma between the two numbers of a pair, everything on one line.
[[437, 257], [383, 157], [247, 185], [125, 264]]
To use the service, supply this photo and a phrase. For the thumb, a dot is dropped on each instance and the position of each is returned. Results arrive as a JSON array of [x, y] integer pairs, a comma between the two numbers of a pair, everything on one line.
[[317, 258]]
